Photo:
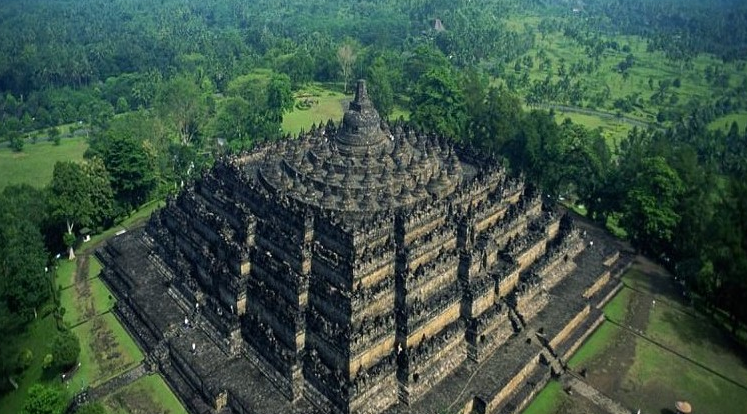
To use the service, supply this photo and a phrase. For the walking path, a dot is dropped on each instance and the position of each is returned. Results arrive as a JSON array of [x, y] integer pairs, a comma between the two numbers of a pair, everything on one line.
[[115, 383], [592, 394]]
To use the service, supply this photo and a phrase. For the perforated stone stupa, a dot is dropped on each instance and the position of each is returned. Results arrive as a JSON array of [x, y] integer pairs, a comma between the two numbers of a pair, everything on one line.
[[360, 268]]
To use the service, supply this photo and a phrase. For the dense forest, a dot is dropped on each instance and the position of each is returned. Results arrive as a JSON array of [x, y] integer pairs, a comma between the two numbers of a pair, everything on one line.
[[162, 88]]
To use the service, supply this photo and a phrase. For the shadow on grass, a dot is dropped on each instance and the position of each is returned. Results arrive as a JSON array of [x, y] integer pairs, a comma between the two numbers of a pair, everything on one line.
[[701, 332], [691, 331]]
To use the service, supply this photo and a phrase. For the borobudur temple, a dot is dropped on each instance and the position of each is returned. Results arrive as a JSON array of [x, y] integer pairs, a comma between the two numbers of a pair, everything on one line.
[[360, 268]]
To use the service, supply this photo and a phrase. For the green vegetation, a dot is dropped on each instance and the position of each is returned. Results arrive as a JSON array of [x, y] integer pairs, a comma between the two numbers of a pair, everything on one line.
[[612, 130], [314, 105], [34, 165], [724, 122], [548, 400], [78, 309], [36, 340], [672, 377], [65, 273], [594, 346], [675, 352]]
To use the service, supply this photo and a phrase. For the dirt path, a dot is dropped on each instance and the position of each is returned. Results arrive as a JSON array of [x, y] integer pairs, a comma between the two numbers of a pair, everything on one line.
[[607, 372]]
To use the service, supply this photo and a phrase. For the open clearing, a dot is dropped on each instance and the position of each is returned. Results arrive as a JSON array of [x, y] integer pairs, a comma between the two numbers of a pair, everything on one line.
[[324, 104], [35, 163], [724, 122]]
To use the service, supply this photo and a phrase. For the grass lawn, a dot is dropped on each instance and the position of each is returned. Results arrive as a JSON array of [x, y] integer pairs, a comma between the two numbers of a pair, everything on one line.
[[101, 300], [664, 377], [65, 273], [328, 104], [149, 394], [696, 337], [617, 308], [594, 346], [597, 343], [106, 349], [35, 163], [94, 267], [548, 400]]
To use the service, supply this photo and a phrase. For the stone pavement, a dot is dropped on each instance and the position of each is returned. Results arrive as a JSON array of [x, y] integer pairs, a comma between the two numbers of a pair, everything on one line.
[[592, 394]]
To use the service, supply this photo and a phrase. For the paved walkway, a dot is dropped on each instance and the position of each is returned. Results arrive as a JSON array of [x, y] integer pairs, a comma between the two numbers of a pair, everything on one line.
[[121, 380], [592, 394]]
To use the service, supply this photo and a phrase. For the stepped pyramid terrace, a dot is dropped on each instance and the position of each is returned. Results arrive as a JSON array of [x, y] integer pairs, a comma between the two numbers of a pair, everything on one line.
[[361, 268]]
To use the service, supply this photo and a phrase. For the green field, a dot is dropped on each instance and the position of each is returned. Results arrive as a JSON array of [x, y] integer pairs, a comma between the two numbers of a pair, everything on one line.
[[77, 310], [65, 273], [606, 79], [326, 104], [724, 122], [35, 163]]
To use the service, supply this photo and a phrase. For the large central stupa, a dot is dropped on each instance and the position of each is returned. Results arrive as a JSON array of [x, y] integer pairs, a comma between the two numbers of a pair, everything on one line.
[[358, 269]]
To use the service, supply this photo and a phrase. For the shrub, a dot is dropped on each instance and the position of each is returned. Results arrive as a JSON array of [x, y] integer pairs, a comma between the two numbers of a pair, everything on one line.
[[65, 350]]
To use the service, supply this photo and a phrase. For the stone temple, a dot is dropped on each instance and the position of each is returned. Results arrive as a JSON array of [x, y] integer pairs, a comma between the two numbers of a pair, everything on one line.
[[359, 269]]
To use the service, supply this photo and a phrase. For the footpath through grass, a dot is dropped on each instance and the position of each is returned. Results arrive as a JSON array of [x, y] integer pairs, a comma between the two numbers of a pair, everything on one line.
[[35, 163]]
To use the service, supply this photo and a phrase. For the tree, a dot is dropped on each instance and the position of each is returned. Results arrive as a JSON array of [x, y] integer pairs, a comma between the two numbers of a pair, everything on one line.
[[649, 207], [437, 104], [131, 168], [279, 96], [495, 122], [380, 87], [69, 200], [423, 60], [44, 400], [299, 67], [346, 58], [182, 103], [16, 141], [65, 350], [80, 195], [232, 120], [54, 135], [24, 285], [122, 105]]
